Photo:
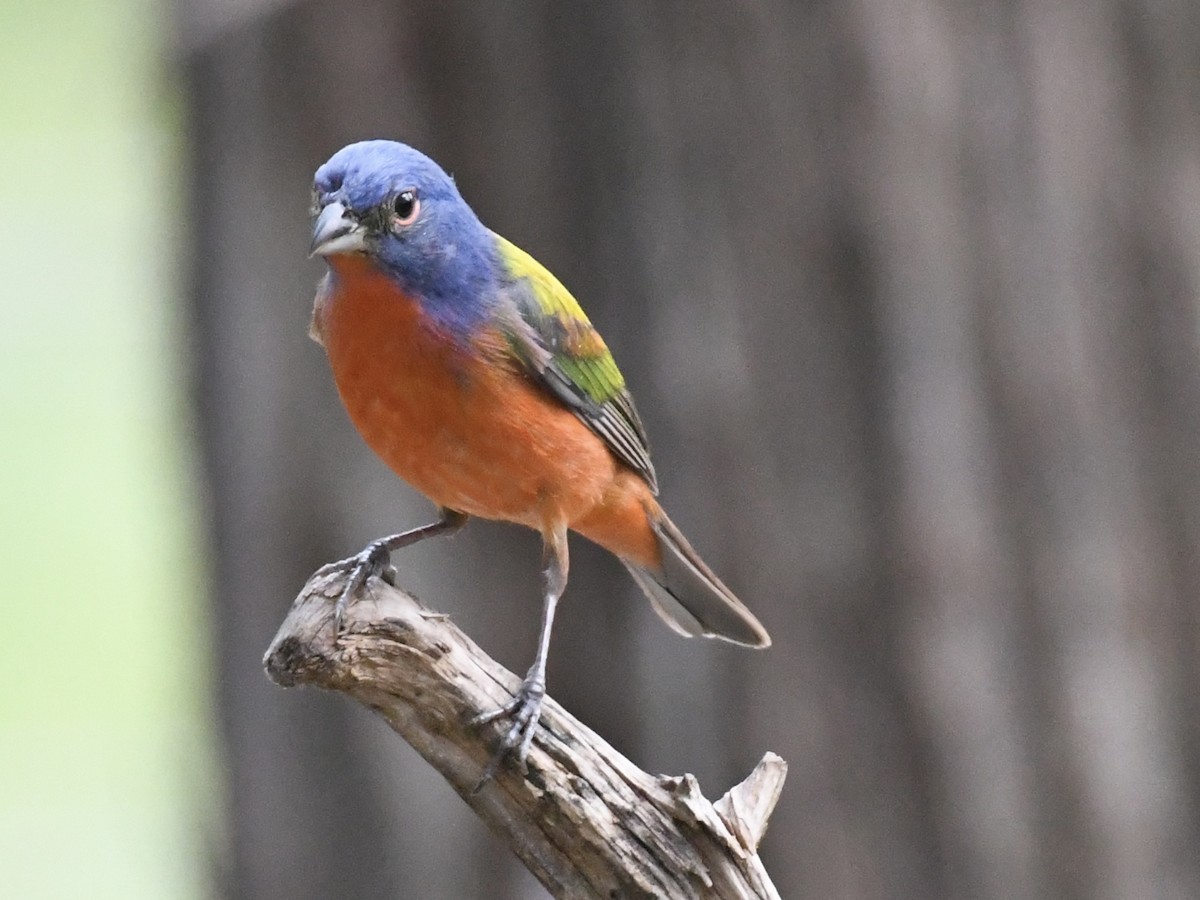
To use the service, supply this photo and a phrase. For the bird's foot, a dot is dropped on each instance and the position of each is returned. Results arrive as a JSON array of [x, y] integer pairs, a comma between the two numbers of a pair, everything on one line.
[[525, 709], [374, 559]]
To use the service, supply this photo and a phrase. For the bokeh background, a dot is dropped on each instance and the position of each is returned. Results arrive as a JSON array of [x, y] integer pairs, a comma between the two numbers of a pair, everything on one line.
[[907, 292]]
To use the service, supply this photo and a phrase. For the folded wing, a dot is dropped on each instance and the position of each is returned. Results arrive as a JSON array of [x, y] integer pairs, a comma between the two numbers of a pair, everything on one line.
[[554, 340]]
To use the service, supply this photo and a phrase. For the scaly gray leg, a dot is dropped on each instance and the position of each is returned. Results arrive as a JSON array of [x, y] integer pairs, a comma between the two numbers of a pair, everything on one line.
[[526, 706], [375, 558]]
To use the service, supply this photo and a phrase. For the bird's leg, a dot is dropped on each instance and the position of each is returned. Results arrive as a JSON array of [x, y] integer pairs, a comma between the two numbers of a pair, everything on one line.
[[375, 558], [525, 708]]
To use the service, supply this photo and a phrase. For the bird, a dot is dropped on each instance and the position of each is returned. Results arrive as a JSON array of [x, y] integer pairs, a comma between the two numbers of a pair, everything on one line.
[[476, 377]]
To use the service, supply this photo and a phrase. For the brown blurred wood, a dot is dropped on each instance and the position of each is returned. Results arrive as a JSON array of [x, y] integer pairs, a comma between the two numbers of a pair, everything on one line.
[[584, 819]]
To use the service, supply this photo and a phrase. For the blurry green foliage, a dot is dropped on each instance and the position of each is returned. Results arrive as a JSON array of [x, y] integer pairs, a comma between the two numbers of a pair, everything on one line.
[[106, 765]]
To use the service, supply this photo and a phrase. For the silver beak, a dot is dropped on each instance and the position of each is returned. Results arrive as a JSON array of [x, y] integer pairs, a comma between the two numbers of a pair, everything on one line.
[[336, 232]]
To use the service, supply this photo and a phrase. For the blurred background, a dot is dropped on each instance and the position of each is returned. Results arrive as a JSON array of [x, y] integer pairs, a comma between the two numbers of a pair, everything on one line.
[[907, 293]]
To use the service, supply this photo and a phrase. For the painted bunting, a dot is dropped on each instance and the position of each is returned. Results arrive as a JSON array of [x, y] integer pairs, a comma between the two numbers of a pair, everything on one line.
[[477, 378]]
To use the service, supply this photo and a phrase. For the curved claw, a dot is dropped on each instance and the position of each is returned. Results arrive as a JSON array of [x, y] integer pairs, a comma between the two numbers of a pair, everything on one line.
[[525, 708], [374, 559]]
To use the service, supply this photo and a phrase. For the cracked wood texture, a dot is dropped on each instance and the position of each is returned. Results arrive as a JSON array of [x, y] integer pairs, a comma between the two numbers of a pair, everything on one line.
[[585, 820]]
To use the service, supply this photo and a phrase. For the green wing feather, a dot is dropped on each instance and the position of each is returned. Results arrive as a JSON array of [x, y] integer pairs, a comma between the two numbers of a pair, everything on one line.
[[555, 342]]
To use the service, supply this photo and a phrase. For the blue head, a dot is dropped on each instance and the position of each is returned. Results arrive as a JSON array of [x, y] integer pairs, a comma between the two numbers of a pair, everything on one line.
[[397, 207]]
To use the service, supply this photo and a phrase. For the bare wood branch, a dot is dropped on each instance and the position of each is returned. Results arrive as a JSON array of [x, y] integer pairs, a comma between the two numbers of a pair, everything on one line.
[[585, 820]]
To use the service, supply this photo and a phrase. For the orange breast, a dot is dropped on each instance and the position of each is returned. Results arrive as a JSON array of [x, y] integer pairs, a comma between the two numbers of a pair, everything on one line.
[[464, 427]]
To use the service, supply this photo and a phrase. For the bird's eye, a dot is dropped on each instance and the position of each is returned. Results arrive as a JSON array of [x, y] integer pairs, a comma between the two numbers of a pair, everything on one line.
[[406, 206]]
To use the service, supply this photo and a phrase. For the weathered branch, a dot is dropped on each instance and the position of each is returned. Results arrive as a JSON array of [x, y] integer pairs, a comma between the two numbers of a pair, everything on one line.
[[585, 820]]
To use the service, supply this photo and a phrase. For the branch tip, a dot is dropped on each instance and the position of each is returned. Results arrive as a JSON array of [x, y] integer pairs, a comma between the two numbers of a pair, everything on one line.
[[747, 807]]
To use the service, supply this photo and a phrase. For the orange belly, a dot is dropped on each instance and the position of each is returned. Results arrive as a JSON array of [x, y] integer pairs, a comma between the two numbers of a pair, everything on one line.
[[467, 429]]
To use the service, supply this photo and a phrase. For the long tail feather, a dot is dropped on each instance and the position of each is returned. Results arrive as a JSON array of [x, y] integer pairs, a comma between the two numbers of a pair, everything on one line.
[[690, 597]]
